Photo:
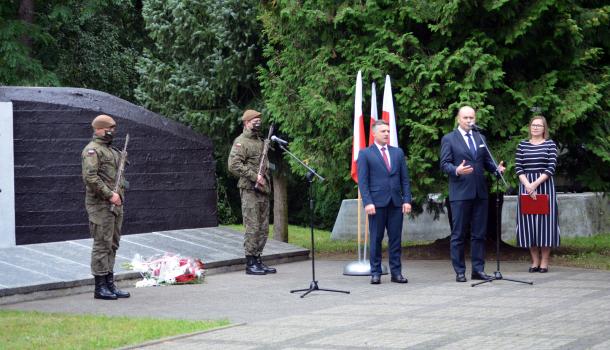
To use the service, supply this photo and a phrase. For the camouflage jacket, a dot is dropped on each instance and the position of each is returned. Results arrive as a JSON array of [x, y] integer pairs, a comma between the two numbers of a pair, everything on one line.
[[100, 165], [244, 160]]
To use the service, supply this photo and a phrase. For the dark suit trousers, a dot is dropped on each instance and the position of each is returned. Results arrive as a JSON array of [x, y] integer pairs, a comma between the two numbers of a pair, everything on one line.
[[389, 218], [473, 212]]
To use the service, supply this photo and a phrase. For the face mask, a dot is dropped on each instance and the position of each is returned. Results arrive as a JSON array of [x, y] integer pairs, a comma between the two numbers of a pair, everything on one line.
[[256, 127], [108, 136]]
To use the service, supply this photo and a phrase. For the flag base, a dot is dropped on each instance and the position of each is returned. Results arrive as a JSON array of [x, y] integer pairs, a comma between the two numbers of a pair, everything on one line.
[[361, 268]]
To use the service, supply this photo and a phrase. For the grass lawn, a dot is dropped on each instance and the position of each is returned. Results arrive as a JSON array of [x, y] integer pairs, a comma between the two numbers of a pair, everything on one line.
[[587, 252], [301, 236], [37, 330]]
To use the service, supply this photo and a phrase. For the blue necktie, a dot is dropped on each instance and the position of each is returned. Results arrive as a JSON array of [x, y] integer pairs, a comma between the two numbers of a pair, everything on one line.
[[473, 149]]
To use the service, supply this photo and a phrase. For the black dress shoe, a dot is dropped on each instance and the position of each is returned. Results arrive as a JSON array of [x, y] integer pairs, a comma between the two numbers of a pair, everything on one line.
[[534, 269], [375, 279], [460, 277], [399, 279], [543, 270], [480, 275]]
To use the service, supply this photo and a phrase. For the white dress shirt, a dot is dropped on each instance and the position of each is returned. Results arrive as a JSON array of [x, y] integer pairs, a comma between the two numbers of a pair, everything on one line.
[[387, 153]]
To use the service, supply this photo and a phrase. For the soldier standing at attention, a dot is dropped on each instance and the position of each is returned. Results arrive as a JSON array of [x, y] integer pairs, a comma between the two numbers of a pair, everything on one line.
[[254, 189], [100, 165]]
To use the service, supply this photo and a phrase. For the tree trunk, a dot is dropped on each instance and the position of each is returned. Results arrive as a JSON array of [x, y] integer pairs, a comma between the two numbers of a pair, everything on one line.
[[26, 14], [280, 206]]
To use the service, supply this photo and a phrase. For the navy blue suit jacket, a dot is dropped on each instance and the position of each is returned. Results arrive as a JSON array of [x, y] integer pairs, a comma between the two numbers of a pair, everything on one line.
[[378, 185], [453, 151]]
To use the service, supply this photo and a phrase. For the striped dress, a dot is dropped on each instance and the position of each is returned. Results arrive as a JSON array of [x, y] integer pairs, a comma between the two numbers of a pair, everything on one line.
[[532, 161]]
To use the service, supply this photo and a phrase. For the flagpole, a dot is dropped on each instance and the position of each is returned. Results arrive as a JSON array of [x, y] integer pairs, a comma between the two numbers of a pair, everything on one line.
[[359, 215], [362, 266], [366, 236]]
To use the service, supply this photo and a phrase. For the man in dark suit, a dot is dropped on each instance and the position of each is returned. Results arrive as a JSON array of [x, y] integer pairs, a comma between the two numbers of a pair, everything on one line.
[[464, 158], [383, 179]]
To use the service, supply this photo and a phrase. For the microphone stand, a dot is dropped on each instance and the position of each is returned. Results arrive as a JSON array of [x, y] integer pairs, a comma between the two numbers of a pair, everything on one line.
[[311, 175], [497, 275]]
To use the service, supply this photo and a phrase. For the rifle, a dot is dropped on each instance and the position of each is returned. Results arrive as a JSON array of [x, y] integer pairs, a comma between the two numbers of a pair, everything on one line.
[[119, 174], [261, 167]]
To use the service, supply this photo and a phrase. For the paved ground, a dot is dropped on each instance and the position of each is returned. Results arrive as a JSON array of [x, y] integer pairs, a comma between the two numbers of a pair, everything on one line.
[[59, 268], [567, 308]]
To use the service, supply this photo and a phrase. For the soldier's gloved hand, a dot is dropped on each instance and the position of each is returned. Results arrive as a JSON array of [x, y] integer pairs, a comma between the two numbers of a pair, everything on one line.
[[116, 199]]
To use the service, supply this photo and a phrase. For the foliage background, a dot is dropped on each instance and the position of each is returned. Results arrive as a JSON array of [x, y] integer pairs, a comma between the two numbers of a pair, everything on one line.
[[203, 62]]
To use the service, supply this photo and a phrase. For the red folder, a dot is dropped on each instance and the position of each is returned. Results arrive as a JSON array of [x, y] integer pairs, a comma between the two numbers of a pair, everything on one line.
[[529, 205]]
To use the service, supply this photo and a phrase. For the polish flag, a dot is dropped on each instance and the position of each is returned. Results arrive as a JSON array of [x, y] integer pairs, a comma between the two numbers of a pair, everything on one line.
[[374, 115], [388, 111], [359, 140]]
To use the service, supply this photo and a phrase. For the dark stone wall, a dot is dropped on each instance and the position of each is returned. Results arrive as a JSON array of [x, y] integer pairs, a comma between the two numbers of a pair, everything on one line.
[[171, 171]]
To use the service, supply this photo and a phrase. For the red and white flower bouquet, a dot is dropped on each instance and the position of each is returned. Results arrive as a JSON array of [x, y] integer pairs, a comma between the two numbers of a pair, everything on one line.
[[167, 269]]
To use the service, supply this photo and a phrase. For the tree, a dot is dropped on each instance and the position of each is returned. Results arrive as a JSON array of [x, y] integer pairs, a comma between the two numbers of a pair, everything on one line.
[[502, 57], [96, 44], [89, 44], [19, 33], [201, 71]]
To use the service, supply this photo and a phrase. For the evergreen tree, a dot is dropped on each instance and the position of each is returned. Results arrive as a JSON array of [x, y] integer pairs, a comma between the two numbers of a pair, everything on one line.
[[501, 57], [90, 44], [18, 63], [201, 71]]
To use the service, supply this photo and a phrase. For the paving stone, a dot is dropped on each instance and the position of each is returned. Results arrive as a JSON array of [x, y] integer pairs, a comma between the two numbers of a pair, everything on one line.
[[260, 334], [477, 312], [508, 343], [369, 309], [377, 339], [430, 312], [564, 328], [417, 324], [517, 302], [315, 321], [415, 299], [596, 305], [602, 346], [49, 266], [585, 284], [553, 292], [577, 315]]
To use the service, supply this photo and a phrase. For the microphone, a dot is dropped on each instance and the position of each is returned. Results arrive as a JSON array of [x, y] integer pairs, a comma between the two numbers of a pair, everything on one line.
[[475, 127], [279, 140]]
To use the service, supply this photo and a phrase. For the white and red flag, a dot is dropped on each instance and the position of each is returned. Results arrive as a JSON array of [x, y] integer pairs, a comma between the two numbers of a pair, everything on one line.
[[388, 111], [359, 140], [374, 113]]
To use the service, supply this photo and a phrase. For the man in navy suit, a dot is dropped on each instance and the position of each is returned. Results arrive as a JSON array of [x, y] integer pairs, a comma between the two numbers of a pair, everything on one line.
[[383, 179], [464, 158]]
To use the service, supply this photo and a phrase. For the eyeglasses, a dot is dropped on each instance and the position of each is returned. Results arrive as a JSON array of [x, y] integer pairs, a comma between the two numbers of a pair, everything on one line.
[[537, 126]]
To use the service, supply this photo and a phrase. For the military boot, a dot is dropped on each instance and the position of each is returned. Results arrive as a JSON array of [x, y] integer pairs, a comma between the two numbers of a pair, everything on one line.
[[264, 267], [112, 287], [101, 289], [252, 267]]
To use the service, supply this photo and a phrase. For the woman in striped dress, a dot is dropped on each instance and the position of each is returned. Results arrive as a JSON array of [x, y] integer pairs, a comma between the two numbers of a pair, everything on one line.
[[535, 160]]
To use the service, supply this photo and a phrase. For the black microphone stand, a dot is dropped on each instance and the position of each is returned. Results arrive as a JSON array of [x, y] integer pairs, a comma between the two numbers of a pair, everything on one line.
[[311, 175], [497, 275]]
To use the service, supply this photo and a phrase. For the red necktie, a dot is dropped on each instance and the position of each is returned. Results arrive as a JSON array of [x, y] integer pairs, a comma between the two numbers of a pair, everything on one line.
[[385, 158]]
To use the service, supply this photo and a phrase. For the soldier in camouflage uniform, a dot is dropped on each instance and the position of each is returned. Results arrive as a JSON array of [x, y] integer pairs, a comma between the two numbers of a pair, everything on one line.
[[100, 164], [244, 161]]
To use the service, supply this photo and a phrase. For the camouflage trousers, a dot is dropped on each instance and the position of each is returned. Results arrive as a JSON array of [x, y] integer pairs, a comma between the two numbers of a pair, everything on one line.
[[105, 229], [255, 211]]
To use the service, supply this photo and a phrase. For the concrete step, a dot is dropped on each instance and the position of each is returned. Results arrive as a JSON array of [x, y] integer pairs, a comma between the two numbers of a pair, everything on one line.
[[63, 267]]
